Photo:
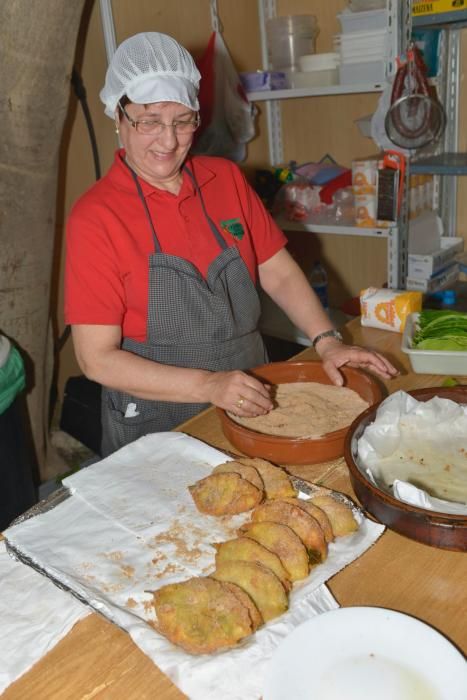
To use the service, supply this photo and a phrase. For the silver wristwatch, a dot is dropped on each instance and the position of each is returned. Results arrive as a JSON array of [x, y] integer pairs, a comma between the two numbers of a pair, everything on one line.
[[327, 334]]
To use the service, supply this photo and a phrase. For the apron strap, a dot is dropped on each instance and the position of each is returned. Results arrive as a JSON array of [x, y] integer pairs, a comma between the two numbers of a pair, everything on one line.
[[143, 200], [219, 238]]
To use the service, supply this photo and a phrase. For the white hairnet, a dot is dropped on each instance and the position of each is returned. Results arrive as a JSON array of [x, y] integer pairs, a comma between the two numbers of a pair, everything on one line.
[[151, 67]]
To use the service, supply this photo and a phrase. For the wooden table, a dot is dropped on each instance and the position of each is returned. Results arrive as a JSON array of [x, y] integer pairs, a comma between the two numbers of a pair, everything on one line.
[[98, 660]]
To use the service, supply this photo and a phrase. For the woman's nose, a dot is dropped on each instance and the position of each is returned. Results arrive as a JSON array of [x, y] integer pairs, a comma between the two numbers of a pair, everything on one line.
[[168, 136]]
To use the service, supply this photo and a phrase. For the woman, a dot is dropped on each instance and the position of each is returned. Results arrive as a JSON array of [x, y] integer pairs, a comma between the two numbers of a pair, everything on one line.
[[163, 257]]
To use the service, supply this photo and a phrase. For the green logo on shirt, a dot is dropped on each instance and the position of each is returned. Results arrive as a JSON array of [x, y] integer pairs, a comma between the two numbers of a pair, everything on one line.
[[234, 227]]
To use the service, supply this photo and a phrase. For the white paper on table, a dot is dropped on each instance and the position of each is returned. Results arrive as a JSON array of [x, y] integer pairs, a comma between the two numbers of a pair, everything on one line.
[[34, 615], [421, 448], [110, 543]]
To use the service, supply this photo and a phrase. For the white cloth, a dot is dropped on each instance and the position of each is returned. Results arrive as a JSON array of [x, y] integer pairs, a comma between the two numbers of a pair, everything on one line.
[[130, 526], [417, 497], [34, 616], [417, 451]]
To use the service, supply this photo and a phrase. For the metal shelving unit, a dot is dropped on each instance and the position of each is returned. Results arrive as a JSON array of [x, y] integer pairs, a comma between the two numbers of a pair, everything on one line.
[[335, 229], [397, 10], [397, 36], [441, 164], [441, 19], [445, 161], [290, 93]]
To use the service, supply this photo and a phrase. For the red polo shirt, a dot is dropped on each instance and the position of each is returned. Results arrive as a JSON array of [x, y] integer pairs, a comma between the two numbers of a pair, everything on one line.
[[109, 238]]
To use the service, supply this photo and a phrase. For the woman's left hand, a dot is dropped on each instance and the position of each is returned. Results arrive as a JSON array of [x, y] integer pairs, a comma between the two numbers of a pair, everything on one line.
[[335, 354]]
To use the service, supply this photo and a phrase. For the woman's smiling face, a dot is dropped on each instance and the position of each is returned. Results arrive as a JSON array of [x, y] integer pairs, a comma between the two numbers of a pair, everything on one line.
[[157, 158]]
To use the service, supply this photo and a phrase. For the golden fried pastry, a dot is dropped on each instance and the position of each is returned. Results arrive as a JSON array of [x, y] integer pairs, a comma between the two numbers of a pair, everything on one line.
[[201, 615], [244, 598], [225, 494], [276, 480], [283, 541], [317, 513], [247, 549], [303, 524], [339, 514], [263, 587], [245, 471]]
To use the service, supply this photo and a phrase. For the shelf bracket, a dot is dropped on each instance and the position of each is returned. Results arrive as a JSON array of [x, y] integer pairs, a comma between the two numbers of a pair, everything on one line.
[[267, 10], [448, 184]]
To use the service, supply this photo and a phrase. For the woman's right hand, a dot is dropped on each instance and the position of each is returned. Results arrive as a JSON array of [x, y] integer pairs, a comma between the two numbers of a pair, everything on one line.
[[239, 393], [100, 357]]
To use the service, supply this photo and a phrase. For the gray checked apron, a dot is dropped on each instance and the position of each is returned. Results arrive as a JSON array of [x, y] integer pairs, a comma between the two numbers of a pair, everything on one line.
[[191, 322]]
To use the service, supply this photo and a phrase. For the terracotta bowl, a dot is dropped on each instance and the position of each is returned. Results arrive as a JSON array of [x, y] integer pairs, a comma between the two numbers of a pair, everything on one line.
[[286, 450], [437, 529]]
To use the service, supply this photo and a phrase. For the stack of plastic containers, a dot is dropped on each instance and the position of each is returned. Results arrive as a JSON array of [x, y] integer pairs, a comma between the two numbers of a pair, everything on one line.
[[290, 37], [362, 46]]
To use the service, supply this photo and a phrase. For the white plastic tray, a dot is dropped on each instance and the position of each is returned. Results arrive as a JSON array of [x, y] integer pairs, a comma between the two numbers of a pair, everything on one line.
[[363, 21], [423, 266], [440, 280], [432, 361]]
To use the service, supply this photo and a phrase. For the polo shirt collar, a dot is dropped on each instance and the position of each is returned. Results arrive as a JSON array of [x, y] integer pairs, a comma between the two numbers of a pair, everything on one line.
[[121, 176]]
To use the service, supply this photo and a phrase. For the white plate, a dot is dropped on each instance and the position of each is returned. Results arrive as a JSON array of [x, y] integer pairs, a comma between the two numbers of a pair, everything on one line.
[[365, 653]]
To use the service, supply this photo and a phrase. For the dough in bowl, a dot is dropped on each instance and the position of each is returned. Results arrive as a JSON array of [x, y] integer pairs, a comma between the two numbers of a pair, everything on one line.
[[307, 410]]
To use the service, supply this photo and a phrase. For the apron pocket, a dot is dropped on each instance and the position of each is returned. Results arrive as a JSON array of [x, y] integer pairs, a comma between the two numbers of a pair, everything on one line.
[[126, 418], [128, 410]]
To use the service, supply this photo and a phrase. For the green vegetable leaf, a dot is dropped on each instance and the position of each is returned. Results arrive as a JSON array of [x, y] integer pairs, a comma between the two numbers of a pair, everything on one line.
[[450, 381], [441, 330]]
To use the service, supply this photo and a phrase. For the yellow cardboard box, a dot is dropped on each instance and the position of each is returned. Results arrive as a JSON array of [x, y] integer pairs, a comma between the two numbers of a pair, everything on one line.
[[434, 7]]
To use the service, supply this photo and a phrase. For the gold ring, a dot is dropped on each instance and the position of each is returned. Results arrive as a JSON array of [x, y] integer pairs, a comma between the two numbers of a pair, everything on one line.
[[240, 402]]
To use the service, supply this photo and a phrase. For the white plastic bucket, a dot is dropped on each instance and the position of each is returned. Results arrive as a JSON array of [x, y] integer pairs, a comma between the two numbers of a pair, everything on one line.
[[319, 61], [314, 78]]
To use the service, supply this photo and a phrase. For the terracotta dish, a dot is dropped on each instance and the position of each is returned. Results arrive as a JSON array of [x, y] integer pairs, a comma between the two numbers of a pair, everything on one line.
[[286, 450], [437, 529]]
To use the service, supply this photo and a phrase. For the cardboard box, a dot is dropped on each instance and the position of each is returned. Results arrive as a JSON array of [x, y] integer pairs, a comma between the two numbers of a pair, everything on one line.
[[443, 279], [424, 266], [420, 8]]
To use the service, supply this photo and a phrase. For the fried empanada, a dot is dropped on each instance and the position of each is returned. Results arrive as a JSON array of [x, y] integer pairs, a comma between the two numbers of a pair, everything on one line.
[[339, 514], [263, 587], [201, 615], [283, 541], [245, 600], [303, 524], [245, 471], [276, 481], [225, 494], [247, 549], [317, 513]]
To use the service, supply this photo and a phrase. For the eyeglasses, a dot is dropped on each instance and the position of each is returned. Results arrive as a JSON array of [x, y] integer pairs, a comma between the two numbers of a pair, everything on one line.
[[154, 127]]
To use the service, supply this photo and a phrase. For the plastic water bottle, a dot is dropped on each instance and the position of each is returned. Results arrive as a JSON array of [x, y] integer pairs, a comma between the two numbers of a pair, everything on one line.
[[319, 281]]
